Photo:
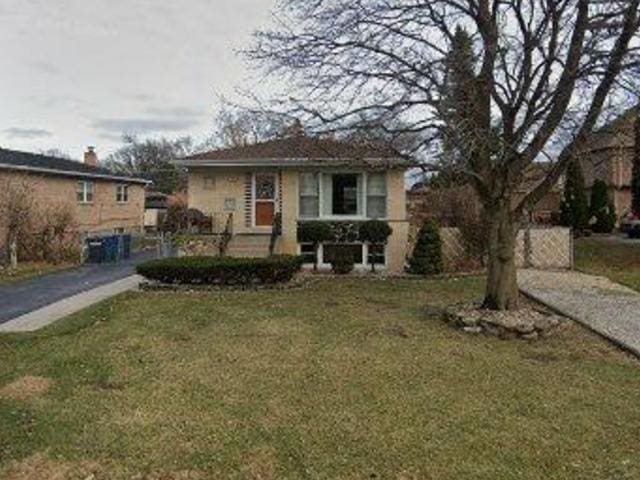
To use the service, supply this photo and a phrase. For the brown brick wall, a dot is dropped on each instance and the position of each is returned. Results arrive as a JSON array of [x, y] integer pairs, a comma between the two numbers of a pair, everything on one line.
[[102, 215]]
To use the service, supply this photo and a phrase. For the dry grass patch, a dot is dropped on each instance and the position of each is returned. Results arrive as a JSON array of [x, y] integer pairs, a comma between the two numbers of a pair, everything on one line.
[[26, 388], [181, 475], [40, 467], [260, 464]]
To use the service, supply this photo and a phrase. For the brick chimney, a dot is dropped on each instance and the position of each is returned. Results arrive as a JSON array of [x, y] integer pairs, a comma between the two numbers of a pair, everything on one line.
[[90, 157]]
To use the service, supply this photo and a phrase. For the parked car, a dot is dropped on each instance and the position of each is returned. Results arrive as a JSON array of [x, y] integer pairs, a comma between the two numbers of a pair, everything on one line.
[[629, 223]]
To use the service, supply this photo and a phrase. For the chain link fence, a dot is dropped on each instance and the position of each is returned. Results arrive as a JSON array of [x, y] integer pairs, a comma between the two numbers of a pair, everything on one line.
[[537, 247]]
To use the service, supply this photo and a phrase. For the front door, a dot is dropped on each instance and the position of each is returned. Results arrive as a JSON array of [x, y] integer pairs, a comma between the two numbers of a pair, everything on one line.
[[264, 194]]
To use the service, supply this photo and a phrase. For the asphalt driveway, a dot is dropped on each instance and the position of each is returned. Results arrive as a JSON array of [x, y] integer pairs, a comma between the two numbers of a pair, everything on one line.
[[24, 297]]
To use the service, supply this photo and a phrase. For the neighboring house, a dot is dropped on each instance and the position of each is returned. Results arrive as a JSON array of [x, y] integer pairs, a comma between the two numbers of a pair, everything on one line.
[[609, 157], [303, 179], [155, 208], [449, 205], [100, 201]]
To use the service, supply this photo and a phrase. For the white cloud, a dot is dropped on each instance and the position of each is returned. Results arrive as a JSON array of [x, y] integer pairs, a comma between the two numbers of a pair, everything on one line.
[[87, 68], [26, 133]]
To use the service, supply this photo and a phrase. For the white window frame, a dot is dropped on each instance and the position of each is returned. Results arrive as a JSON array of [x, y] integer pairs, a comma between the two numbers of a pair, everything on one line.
[[364, 266], [318, 179], [363, 200], [386, 196], [124, 189], [87, 187]]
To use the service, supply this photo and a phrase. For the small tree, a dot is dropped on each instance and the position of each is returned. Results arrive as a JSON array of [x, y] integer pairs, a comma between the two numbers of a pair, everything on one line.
[[314, 233], [375, 232], [16, 213], [602, 211], [427, 253], [574, 210], [635, 182]]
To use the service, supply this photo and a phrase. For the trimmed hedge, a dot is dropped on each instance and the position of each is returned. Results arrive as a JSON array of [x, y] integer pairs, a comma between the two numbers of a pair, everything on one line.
[[222, 270]]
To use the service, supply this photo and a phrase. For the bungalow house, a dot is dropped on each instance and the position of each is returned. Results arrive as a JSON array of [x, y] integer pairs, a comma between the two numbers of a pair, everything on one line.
[[297, 179], [99, 201]]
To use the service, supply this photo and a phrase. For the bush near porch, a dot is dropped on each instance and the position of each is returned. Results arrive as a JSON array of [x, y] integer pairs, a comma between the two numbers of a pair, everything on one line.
[[346, 379], [221, 270]]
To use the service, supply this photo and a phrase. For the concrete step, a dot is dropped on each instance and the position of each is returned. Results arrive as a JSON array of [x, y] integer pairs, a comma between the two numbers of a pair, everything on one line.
[[247, 246], [248, 253]]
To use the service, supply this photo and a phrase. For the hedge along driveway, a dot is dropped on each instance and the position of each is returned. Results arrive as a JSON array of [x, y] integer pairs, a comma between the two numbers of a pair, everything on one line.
[[347, 378]]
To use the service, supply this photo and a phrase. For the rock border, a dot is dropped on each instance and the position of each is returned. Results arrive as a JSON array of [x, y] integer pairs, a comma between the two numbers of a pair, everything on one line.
[[527, 323]]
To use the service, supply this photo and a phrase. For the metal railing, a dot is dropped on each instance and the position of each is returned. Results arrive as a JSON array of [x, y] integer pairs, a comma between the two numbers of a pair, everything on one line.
[[226, 236], [276, 231]]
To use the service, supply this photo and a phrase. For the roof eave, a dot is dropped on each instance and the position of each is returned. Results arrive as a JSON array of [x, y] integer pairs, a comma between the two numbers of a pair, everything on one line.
[[389, 162], [66, 173]]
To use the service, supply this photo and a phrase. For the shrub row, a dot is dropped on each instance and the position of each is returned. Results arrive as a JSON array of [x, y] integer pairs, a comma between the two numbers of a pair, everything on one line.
[[221, 270]]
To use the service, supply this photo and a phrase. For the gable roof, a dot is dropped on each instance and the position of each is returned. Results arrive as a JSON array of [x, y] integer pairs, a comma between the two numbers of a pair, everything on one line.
[[48, 165], [300, 150]]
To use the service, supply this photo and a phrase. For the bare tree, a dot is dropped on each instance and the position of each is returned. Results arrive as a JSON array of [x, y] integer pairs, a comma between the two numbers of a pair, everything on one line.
[[546, 73], [16, 212], [237, 126], [151, 159]]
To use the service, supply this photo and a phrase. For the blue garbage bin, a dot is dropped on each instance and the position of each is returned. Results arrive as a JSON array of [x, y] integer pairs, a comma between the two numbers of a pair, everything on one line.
[[126, 247], [111, 248], [95, 250]]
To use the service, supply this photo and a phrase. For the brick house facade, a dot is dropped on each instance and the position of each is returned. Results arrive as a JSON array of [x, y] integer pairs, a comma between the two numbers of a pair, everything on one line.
[[100, 201]]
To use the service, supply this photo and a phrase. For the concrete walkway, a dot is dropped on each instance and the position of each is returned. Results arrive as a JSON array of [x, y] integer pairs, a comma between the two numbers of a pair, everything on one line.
[[51, 313], [608, 308]]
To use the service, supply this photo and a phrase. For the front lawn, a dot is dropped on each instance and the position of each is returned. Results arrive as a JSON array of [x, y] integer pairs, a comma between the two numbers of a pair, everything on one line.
[[343, 379], [618, 260]]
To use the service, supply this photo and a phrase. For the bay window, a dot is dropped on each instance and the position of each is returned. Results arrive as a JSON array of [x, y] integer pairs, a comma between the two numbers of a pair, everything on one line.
[[343, 194]]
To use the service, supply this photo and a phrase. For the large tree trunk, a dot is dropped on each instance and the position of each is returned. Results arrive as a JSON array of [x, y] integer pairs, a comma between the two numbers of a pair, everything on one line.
[[502, 284]]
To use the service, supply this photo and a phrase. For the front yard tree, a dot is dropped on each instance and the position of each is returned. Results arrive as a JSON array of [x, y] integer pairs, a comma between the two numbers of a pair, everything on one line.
[[545, 73], [17, 209], [574, 210]]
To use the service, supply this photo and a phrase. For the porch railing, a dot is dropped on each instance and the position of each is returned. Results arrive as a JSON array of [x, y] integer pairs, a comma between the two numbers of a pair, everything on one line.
[[226, 236], [276, 231]]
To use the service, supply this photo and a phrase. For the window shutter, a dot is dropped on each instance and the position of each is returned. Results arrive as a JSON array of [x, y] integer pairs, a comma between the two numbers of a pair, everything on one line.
[[248, 199]]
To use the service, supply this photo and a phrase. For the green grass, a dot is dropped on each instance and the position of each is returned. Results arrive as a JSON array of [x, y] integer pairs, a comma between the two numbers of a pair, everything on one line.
[[28, 270], [617, 261], [343, 379]]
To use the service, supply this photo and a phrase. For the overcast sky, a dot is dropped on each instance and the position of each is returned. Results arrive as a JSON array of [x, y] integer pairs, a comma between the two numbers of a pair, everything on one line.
[[80, 72]]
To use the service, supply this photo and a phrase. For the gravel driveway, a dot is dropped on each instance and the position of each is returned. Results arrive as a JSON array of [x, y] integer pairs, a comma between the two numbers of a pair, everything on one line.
[[604, 306]]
